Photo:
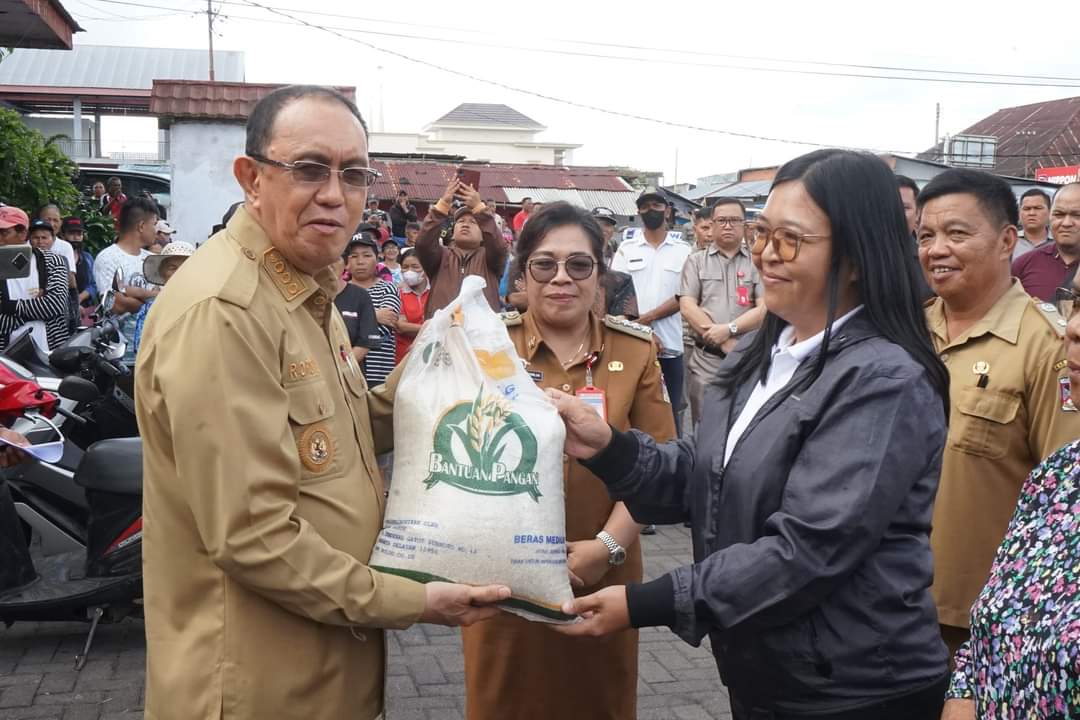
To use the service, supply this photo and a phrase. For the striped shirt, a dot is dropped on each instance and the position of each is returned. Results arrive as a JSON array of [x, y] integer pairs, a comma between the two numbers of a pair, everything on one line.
[[379, 361]]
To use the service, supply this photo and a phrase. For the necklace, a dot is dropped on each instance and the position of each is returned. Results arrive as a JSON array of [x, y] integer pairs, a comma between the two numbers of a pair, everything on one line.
[[567, 363]]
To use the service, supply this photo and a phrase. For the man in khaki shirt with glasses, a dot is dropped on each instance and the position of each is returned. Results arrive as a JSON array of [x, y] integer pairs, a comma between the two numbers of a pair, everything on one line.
[[720, 297], [262, 498], [1006, 360]]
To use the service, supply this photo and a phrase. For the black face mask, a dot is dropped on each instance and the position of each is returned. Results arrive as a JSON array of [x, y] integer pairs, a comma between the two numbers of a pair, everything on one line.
[[653, 219]]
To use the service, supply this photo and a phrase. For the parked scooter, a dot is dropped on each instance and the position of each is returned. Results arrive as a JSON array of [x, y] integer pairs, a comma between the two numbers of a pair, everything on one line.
[[89, 519], [102, 579]]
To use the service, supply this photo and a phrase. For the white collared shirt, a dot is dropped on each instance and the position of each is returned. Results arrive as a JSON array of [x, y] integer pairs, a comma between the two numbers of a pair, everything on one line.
[[656, 273], [786, 359]]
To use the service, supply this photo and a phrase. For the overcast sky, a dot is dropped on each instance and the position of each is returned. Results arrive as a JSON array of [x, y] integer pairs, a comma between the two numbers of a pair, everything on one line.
[[980, 37]]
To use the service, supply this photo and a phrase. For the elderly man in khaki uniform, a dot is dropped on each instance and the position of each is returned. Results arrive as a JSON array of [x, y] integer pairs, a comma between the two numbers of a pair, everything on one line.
[[720, 297], [262, 498], [1006, 361]]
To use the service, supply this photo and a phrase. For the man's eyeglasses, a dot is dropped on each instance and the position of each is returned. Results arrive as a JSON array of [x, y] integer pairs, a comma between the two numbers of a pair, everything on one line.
[[578, 267], [785, 241], [309, 171], [729, 221], [1068, 301]]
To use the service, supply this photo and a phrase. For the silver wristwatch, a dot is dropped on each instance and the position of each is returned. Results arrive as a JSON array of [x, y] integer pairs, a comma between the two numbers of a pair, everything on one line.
[[733, 328], [615, 550]]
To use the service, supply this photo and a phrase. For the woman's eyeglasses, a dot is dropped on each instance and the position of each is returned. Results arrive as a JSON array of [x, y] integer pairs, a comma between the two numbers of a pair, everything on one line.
[[578, 267], [309, 171], [785, 241]]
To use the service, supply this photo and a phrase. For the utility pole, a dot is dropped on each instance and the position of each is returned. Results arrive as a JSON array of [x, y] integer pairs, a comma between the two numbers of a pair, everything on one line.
[[210, 34], [676, 180], [937, 123], [1027, 134]]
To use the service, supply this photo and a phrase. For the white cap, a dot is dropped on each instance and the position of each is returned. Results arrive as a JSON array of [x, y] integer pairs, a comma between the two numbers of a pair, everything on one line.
[[152, 264], [164, 227]]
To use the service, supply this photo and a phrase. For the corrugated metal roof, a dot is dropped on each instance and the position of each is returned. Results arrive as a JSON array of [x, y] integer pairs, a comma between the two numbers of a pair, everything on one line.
[[748, 189], [202, 100], [484, 114], [1055, 142], [427, 180], [622, 203], [112, 66]]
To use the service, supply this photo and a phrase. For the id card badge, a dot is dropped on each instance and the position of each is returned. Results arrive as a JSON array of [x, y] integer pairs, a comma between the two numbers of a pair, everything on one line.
[[595, 398]]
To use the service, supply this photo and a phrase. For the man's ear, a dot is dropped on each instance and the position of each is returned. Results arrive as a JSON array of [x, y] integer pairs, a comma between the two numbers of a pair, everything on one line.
[[1010, 237], [246, 172]]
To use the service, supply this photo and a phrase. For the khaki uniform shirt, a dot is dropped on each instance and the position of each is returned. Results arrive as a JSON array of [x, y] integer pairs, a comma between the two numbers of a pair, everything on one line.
[[997, 434], [713, 280], [262, 499]]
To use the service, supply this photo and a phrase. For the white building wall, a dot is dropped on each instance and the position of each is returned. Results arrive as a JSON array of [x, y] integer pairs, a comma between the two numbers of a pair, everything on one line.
[[493, 151], [203, 186]]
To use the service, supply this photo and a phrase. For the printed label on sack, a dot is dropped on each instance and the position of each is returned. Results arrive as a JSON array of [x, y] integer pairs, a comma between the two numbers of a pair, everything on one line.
[[488, 436]]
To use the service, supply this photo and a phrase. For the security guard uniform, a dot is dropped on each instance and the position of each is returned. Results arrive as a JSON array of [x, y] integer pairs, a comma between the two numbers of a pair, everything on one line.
[[262, 500], [1008, 411], [714, 281], [507, 658]]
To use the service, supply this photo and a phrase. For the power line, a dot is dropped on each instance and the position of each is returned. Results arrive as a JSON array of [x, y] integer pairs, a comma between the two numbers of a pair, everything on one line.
[[1072, 82], [640, 48], [337, 32]]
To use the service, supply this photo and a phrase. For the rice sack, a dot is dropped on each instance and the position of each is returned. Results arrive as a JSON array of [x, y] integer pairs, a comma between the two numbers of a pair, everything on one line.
[[477, 493]]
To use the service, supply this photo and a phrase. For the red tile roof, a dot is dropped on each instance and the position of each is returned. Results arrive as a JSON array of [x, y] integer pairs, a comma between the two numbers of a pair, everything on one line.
[[1056, 139], [427, 180], [173, 100]]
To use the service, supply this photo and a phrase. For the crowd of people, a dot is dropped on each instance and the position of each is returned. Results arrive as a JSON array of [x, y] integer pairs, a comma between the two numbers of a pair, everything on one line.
[[66, 281], [880, 465]]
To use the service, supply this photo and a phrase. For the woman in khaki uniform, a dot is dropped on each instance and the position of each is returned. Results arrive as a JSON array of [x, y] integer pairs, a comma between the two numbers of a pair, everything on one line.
[[521, 669]]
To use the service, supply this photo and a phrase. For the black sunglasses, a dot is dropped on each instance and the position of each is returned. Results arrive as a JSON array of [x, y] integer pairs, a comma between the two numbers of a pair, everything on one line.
[[578, 267]]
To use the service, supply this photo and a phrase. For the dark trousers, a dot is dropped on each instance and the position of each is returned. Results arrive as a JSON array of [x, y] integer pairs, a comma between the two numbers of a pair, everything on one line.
[[673, 371], [924, 704]]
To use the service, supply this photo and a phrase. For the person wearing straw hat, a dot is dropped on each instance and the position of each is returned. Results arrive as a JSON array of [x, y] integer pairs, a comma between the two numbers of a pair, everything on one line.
[[157, 269]]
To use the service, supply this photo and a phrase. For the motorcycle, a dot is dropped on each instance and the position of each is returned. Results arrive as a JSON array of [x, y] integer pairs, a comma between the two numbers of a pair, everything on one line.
[[97, 404], [86, 508]]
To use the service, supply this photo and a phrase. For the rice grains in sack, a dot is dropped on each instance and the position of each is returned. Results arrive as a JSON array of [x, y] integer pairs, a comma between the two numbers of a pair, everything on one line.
[[477, 496]]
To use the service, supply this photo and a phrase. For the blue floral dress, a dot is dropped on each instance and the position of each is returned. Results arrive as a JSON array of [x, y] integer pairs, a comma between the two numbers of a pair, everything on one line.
[[1023, 658]]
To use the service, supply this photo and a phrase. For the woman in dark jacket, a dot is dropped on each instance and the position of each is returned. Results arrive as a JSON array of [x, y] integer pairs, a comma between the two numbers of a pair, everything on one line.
[[810, 482]]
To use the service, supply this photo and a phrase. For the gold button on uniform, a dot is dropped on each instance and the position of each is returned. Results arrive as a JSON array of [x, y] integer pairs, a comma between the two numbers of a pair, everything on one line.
[[320, 300], [248, 254]]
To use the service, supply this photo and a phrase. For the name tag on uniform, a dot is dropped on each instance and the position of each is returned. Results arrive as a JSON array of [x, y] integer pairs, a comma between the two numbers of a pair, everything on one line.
[[595, 398]]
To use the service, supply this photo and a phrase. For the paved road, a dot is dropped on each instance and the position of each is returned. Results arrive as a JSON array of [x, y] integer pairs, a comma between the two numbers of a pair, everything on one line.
[[426, 680]]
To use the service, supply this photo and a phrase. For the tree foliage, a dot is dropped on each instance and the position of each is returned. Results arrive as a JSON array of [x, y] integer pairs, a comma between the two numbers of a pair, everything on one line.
[[33, 169]]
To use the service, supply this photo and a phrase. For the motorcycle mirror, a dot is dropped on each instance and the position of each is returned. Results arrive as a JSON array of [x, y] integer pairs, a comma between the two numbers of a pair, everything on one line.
[[78, 389], [107, 301]]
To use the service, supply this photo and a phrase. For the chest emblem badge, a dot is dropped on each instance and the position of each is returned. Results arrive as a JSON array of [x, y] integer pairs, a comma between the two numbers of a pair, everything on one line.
[[316, 447]]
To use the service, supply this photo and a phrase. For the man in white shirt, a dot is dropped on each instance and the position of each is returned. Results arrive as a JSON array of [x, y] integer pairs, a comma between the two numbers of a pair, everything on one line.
[[123, 261], [654, 258]]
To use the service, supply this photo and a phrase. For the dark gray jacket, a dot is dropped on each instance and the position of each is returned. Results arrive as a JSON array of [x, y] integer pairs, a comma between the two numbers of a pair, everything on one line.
[[812, 551]]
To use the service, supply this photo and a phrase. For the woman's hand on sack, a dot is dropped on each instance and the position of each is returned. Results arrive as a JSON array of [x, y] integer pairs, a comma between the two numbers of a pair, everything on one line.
[[10, 456], [957, 709], [586, 432], [588, 561], [602, 613], [453, 605]]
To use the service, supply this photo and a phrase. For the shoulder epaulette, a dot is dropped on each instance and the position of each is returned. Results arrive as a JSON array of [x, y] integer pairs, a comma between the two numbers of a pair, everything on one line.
[[1049, 312], [510, 318], [621, 324]]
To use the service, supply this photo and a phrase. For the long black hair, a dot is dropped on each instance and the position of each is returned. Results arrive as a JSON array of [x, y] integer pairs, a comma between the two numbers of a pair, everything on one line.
[[858, 193]]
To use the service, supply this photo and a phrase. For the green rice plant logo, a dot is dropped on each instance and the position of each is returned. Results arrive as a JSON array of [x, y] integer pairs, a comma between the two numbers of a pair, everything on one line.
[[485, 428]]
